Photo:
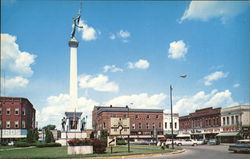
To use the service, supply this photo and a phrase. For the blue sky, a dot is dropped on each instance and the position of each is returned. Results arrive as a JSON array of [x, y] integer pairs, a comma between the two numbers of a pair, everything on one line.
[[129, 52]]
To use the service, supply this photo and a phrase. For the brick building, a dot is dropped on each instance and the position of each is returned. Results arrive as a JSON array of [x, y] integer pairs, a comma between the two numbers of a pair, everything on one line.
[[144, 123], [17, 115], [203, 123]]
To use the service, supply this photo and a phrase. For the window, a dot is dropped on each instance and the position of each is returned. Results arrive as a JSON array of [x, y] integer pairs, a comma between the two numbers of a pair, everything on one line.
[[139, 125], [157, 116], [113, 115], [200, 124], [23, 124], [160, 125], [166, 125], [1, 111], [147, 125], [224, 121], [153, 125], [227, 120], [214, 123], [125, 115], [16, 111], [16, 124], [133, 126], [8, 111], [136, 116], [7, 124], [192, 124], [232, 120], [170, 124], [206, 122], [175, 125], [148, 116], [104, 125], [23, 111], [0, 123]]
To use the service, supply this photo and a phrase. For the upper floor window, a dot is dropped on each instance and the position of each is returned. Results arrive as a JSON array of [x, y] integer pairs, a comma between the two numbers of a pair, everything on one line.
[[170, 124], [16, 111], [224, 121], [8, 111], [0, 123], [160, 125], [175, 125], [237, 119], [136, 116], [23, 111], [153, 125], [113, 115], [16, 124], [1, 111], [148, 116], [139, 125], [23, 124], [157, 116], [7, 124], [147, 126], [166, 125], [133, 126], [227, 120]]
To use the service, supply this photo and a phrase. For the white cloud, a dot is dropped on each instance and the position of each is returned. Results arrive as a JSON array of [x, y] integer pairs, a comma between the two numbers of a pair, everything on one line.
[[88, 33], [202, 100], [205, 10], [56, 106], [142, 100], [15, 82], [122, 35], [213, 77], [177, 49], [236, 85], [111, 68], [140, 64], [99, 83], [14, 59]]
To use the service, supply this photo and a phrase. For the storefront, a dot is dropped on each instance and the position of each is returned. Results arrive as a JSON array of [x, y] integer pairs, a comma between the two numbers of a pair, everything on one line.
[[228, 137]]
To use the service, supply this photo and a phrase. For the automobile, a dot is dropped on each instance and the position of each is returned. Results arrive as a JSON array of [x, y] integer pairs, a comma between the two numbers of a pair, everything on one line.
[[169, 142], [213, 142], [201, 141], [186, 142], [240, 146]]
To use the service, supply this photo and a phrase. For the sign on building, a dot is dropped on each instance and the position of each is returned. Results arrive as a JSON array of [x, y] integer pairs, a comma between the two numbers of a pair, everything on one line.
[[111, 142], [119, 126]]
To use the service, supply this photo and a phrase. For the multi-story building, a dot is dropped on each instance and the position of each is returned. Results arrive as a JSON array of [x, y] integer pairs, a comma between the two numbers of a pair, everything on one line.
[[144, 123], [235, 123], [167, 124], [203, 123], [17, 115]]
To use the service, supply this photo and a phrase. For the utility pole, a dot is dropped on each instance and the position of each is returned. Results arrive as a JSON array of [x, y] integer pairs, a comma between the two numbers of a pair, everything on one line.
[[172, 133]]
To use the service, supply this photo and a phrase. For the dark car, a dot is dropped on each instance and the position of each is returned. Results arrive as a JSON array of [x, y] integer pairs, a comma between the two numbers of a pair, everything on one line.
[[240, 146], [213, 142]]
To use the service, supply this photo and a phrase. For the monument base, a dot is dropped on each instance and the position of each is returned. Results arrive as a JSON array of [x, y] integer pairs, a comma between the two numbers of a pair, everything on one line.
[[71, 135]]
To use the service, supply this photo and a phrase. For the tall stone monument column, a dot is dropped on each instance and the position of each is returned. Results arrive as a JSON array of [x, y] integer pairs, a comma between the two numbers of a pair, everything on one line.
[[73, 44]]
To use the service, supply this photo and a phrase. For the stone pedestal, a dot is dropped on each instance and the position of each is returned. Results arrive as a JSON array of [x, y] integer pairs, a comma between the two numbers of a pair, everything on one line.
[[80, 150]]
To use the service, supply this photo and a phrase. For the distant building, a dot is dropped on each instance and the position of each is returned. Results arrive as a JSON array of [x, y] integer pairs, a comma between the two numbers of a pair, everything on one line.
[[203, 123], [17, 115], [144, 123], [167, 124], [235, 123]]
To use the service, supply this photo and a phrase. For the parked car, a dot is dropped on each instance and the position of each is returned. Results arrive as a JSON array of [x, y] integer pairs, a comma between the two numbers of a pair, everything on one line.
[[186, 142], [169, 142], [213, 142], [240, 146]]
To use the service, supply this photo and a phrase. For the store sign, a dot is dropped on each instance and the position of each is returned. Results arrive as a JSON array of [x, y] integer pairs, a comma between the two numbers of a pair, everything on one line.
[[14, 133], [229, 129]]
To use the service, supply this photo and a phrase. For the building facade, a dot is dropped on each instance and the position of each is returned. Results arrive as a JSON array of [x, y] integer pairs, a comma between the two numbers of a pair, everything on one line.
[[202, 124], [235, 123], [144, 123], [167, 124], [17, 115]]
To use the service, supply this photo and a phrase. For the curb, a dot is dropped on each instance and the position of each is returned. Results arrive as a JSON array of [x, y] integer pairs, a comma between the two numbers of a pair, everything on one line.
[[133, 156]]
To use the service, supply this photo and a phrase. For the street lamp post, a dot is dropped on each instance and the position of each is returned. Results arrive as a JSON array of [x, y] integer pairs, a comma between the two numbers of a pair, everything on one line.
[[128, 135], [172, 133]]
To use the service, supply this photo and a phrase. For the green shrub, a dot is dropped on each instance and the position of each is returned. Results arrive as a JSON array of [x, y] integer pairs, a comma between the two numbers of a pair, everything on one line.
[[120, 142], [42, 144], [49, 136], [99, 146], [21, 144]]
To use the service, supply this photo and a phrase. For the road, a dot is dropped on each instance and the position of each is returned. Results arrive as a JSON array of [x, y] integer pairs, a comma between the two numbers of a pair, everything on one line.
[[203, 152]]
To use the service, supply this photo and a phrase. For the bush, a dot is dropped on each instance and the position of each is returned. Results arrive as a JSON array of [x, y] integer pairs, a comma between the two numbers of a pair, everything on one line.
[[42, 144], [99, 146], [120, 142], [49, 136], [21, 144]]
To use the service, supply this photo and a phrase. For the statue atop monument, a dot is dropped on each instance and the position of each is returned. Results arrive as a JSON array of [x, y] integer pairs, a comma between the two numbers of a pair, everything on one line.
[[75, 24]]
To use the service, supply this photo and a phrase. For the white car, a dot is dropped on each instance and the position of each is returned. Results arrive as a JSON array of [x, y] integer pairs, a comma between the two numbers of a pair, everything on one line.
[[186, 142]]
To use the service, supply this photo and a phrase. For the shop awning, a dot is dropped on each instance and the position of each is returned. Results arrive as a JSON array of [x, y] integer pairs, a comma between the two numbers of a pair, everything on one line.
[[183, 135], [228, 134]]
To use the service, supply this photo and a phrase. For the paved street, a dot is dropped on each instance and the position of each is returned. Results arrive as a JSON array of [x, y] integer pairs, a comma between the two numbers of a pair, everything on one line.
[[204, 152]]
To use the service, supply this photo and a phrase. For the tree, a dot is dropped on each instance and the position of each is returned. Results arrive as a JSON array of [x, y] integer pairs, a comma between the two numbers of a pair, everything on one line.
[[30, 136], [50, 127], [104, 135], [35, 135], [49, 136]]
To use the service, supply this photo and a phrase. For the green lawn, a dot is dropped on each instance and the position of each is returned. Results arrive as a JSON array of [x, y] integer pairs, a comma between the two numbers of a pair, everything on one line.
[[61, 152], [6, 147]]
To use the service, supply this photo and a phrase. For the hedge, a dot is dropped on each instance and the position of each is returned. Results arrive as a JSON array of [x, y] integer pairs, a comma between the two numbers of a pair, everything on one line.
[[41, 145], [21, 144]]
